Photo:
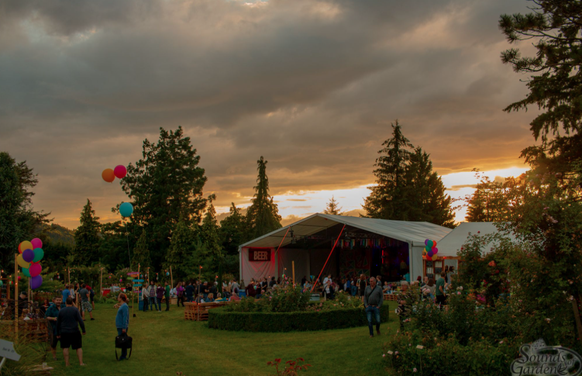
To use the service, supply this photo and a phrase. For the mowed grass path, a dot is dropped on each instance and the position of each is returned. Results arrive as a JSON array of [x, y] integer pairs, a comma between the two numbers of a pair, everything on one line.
[[164, 343]]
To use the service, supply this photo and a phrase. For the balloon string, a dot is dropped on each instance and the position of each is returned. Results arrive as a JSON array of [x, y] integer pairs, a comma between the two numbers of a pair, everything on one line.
[[128, 254]]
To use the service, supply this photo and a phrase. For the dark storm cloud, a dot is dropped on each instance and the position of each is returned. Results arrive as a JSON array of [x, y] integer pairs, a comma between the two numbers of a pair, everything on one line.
[[311, 85]]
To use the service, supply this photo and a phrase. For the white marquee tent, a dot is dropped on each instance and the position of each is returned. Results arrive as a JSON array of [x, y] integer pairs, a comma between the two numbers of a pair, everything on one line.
[[271, 262], [451, 244]]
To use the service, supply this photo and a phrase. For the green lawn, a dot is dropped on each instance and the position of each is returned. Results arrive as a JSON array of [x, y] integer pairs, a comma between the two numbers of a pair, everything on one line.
[[165, 343]]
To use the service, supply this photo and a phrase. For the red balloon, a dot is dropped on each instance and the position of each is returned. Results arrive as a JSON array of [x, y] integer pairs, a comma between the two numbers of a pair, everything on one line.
[[34, 269], [108, 175], [120, 171]]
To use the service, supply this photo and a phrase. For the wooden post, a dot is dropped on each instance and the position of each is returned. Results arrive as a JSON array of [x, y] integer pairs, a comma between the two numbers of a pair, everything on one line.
[[293, 266], [69, 271], [16, 295], [171, 278], [101, 283]]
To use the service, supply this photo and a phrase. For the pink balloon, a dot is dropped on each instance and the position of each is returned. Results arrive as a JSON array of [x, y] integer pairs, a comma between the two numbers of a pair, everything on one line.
[[34, 270], [36, 243], [120, 171], [435, 250]]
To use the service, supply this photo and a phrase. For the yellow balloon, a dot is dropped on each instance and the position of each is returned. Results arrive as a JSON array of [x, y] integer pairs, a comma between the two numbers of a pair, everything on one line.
[[24, 246], [22, 263]]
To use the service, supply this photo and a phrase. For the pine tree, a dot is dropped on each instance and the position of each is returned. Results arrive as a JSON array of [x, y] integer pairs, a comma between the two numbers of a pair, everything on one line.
[[212, 241], [425, 193], [263, 215], [165, 184], [87, 237], [232, 234], [141, 253], [408, 189], [183, 251], [332, 207], [387, 198]]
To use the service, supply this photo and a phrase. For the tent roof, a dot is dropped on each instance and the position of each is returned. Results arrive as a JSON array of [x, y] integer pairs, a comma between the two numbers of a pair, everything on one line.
[[414, 233], [452, 243]]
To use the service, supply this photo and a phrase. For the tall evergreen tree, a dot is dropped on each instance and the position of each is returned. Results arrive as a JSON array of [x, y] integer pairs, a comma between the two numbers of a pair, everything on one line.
[[232, 234], [332, 207], [212, 241], [184, 253], [18, 220], [87, 237], [387, 198], [141, 253], [165, 184], [263, 215], [232, 230], [425, 192], [408, 189]]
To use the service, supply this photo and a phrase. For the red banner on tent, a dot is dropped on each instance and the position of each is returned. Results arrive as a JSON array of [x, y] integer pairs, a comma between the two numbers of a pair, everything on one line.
[[259, 254]]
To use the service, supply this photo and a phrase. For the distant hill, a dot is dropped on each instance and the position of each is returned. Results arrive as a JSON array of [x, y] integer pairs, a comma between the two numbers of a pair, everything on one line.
[[59, 234]]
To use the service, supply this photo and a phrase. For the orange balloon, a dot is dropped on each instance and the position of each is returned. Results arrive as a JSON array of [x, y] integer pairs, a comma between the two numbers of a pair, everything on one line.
[[108, 175]]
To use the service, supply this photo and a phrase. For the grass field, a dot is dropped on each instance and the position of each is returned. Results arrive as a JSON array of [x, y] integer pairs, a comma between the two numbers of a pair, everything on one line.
[[164, 343]]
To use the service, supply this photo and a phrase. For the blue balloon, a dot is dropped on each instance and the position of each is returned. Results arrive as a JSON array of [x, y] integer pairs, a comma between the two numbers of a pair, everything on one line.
[[125, 209]]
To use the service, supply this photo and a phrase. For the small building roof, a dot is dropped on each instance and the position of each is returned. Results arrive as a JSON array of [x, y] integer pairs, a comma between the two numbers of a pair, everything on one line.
[[414, 233]]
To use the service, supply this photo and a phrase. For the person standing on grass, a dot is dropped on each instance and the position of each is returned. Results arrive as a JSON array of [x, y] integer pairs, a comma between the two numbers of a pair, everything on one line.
[[85, 304], [68, 322], [66, 294], [180, 293], [145, 297], [190, 292], [152, 295], [362, 286], [373, 299], [160, 291], [91, 296], [167, 296], [51, 315], [440, 290], [122, 321]]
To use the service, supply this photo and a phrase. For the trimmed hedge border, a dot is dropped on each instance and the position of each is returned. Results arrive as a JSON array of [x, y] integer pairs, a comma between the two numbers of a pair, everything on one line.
[[291, 321]]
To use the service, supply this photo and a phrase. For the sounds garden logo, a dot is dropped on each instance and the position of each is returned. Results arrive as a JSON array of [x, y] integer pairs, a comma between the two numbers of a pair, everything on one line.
[[539, 359]]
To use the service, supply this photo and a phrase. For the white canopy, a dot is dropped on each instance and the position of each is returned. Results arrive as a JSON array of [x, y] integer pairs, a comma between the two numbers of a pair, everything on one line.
[[413, 233], [451, 244]]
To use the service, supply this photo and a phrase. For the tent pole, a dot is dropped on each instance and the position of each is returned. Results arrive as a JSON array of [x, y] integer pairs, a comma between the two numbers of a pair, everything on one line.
[[322, 269], [277, 252]]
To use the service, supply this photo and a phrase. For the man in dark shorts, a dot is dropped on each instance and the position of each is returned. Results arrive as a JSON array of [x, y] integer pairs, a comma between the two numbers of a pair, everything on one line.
[[68, 322], [85, 303], [51, 315]]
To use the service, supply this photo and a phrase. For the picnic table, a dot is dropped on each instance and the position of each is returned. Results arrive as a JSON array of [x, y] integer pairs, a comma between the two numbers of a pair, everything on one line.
[[199, 311]]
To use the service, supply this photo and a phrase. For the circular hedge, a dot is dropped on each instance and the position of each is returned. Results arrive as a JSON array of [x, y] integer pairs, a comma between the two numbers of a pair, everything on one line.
[[219, 318]]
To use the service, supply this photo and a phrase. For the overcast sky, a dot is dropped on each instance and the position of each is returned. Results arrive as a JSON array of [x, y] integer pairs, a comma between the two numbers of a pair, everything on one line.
[[310, 85]]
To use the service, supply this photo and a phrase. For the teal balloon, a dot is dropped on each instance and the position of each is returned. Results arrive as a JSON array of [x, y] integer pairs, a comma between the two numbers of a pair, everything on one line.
[[126, 209], [26, 272], [38, 254], [427, 248], [430, 243]]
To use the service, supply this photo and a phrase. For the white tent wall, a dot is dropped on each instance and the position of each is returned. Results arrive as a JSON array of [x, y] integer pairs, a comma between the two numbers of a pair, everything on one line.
[[256, 269], [416, 266]]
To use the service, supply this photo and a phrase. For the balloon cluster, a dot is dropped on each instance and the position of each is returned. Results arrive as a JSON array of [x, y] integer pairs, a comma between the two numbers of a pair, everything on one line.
[[110, 174], [125, 209], [430, 250], [29, 260]]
